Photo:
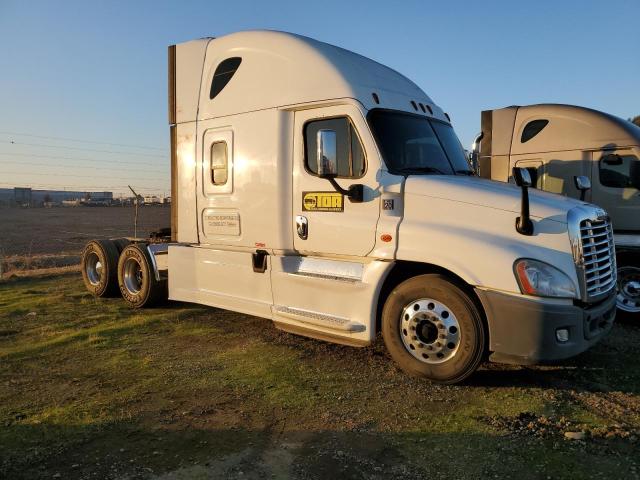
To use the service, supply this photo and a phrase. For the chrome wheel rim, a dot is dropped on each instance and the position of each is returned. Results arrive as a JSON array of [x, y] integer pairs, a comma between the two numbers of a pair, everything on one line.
[[430, 331], [93, 269], [628, 298], [132, 275]]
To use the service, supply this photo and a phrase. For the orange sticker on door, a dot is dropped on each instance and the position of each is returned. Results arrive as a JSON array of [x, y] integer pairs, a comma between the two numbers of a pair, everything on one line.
[[322, 202]]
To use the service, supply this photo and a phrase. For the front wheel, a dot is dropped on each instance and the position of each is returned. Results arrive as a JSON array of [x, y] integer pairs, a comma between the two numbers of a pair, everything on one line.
[[433, 329], [628, 296]]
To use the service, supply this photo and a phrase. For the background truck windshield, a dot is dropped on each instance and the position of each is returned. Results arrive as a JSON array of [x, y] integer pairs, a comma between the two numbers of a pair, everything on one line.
[[413, 144]]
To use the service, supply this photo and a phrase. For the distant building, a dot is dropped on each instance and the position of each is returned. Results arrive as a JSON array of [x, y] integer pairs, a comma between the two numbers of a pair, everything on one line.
[[28, 197], [152, 200]]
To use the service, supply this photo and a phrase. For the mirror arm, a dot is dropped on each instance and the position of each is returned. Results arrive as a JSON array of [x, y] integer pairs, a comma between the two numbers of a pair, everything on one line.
[[524, 225], [355, 193], [335, 185]]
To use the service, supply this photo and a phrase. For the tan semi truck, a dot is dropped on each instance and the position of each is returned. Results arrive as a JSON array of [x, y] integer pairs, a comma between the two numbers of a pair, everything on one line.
[[560, 145], [329, 194]]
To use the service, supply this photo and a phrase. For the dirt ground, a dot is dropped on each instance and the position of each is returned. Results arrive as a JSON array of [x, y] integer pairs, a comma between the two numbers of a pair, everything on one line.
[[37, 231], [91, 389]]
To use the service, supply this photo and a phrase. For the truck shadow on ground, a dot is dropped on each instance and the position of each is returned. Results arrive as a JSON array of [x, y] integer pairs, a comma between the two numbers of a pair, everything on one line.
[[131, 450]]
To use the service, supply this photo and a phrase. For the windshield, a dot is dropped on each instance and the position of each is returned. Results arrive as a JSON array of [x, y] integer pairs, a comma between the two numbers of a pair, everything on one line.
[[415, 144]]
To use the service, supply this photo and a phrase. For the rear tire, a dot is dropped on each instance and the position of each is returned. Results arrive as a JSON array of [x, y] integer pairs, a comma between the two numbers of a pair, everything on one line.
[[628, 296], [433, 329], [121, 243], [136, 278], [99, 263]]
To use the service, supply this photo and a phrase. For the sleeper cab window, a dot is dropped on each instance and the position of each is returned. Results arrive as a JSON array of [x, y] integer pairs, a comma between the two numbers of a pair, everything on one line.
[[219, 163], [532, 129], [349, 151], [224, 72]]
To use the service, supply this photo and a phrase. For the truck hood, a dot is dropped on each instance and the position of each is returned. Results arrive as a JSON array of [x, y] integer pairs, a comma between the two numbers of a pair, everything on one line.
[[490, 194]]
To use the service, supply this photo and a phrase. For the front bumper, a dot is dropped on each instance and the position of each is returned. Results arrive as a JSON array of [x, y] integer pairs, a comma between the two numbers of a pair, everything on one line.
[[522, 330]]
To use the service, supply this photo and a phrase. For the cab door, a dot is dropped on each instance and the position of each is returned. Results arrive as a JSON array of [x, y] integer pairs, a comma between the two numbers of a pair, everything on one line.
[[615, 186], [327, 222], [326, 286]]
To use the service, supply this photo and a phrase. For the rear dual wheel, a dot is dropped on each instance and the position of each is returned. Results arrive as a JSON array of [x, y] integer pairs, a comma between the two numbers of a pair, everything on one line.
[[99, 262], [433, 329], [136, 278]]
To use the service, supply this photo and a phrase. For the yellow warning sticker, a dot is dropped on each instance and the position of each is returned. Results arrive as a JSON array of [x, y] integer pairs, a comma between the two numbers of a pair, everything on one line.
[[322, 202]]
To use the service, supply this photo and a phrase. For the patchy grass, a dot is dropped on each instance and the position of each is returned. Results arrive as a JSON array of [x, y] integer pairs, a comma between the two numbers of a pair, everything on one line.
[[92, 389]]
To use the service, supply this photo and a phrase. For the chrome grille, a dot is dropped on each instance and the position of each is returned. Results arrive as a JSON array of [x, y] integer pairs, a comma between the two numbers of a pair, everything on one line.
[[599, 259]]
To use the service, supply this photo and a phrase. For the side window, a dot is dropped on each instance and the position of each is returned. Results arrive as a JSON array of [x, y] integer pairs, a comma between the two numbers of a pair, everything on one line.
[[224, 71], [532, 129], [619, 171], [350, 153], [219, 163]]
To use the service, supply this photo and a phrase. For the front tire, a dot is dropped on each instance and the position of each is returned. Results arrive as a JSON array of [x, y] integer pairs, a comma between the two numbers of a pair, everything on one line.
[[433, 329], [136, 278], [628, 296]]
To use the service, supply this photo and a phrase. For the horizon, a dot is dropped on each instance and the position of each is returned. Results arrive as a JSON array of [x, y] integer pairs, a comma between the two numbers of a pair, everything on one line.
[[84, 84]]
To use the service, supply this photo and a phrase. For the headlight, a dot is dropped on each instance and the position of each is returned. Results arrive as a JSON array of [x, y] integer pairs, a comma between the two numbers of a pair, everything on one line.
[[543, 280]]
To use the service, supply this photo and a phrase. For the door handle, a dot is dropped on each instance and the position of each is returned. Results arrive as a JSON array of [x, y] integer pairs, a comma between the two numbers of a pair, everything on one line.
[[302, 226]]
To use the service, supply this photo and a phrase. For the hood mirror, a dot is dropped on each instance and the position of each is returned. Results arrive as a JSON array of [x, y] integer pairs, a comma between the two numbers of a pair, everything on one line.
[[583, 184], [327, 161], [522, 178]]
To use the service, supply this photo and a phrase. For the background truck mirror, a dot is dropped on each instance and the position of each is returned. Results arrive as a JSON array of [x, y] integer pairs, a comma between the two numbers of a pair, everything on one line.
[[582, 183], [612, 159]]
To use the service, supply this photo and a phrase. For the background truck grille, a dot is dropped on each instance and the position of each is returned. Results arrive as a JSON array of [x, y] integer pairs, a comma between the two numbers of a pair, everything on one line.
[[599, 257]]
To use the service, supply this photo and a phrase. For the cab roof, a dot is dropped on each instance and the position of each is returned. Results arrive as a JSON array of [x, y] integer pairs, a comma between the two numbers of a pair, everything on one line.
[[279, 70], [569, 127]]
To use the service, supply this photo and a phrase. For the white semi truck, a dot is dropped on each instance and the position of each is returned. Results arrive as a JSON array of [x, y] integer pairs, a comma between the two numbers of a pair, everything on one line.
[[328, 193], [559, 144]]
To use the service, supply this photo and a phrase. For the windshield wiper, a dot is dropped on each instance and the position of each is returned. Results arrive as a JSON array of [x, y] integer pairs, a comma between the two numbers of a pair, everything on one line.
[[422, 170], [465, 172]]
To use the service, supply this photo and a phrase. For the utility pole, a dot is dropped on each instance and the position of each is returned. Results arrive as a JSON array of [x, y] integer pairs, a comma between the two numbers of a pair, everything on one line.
[[135, 218]]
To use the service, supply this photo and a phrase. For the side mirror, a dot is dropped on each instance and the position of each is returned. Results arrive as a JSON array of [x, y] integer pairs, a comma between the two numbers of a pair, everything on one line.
[[327, 158], [522, 177], [327, 154], [582, 183]]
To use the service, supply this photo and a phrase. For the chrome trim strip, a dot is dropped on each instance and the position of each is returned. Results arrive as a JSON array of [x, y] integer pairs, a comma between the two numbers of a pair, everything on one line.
[[626, 240], [324, 268]]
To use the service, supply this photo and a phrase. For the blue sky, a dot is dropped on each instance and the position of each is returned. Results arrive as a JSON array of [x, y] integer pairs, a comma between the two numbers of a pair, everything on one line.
[[96, 71]]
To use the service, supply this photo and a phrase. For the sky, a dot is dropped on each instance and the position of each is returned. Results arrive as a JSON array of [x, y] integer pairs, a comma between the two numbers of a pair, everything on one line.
[[83, 95]]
